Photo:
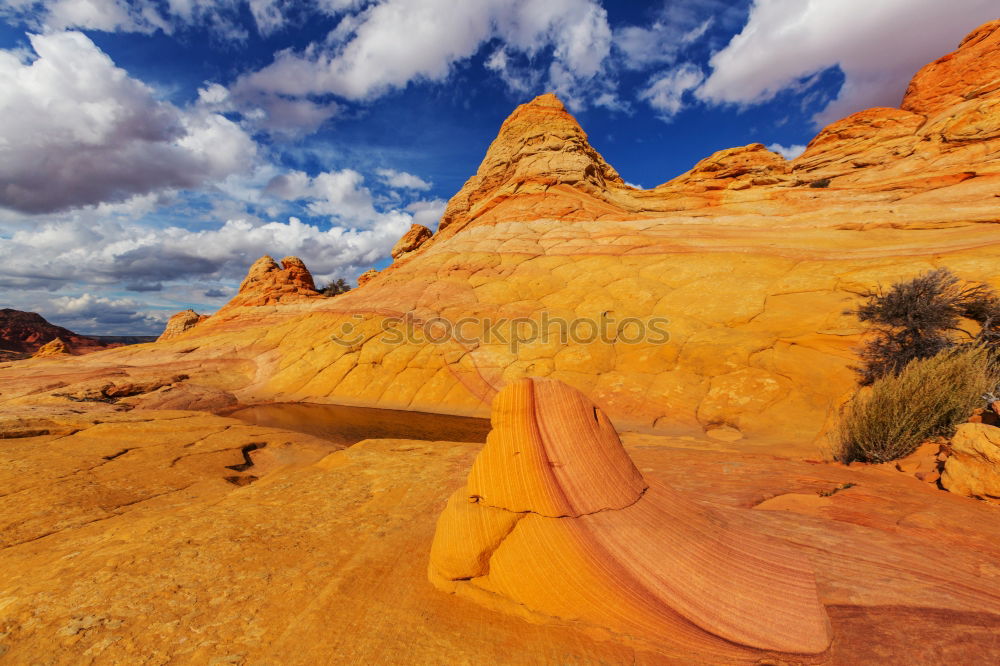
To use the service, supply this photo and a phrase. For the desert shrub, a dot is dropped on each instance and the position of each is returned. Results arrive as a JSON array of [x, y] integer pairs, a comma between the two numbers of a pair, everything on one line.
[[927, 398], [335, 288], [921, 318], [822, 182]]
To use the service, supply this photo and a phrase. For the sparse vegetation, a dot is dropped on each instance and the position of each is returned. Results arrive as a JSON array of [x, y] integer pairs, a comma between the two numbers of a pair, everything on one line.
[[821, 183], [921, 318], [927, 398], [336, 287]]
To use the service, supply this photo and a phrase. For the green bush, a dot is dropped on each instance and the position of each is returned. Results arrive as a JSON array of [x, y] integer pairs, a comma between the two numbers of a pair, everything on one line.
[[336, 288], [927, 398]]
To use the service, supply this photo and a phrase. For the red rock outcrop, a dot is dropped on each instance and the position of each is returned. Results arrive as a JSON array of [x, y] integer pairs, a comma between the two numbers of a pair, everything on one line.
[[179, 323], [411, 240], [110, 470], [971, 72], [27, 332], [267, 283], [367, 276], [736, 168], [542, 156], [749, 266]]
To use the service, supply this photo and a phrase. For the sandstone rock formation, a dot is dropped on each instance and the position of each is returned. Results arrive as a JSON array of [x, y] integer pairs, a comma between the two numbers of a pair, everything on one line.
[[736, 169], [971, 72], [179, 323], [366, 276], [973, 469], [105, 468], [54, 347], [27, 332], [411, 240], [542, 155], [267, 283], [556, 518]]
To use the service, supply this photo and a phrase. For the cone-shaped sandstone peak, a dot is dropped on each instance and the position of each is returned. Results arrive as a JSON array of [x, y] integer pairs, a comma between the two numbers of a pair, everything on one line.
[[556, 519], [54, 347], [552, 453], [539, 145]]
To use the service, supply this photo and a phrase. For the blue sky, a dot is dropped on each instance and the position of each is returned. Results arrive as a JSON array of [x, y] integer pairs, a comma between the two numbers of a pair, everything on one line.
[[151, 150]]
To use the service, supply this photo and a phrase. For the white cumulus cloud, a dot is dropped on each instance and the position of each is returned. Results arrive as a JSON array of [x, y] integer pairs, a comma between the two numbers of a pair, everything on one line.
[[391, 43], [666, 90], [76, 130], [402, 180], [788, 152], [877, 45]]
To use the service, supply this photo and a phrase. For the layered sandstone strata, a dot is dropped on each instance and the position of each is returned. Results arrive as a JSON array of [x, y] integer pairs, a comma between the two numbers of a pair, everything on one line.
[[411, 240], [556, 519], [270, 283]]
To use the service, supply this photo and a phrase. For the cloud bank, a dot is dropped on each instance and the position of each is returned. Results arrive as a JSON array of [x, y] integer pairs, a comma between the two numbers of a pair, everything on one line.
[[76, 130], [877, 45]]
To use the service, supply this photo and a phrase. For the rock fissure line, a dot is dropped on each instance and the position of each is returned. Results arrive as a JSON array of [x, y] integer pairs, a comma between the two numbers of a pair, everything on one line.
[[642, 493]]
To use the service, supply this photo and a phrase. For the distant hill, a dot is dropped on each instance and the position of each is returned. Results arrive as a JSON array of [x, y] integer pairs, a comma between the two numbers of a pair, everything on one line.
[[124, 339], [23, 333]]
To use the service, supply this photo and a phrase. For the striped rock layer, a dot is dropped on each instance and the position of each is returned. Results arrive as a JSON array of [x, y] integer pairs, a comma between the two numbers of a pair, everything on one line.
[[556, 520]]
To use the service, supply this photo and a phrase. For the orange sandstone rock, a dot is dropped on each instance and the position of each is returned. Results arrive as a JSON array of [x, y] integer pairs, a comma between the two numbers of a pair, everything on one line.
[[973, 469], [267, 283], [556, 518], [970, 72], [411, 240], [179, 323], [539, 147], [751, 268], [366, 276], [54, 347], [737, 168]]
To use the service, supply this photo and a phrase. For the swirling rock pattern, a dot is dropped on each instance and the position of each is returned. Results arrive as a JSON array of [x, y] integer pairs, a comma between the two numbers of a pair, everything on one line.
[[556, 518]]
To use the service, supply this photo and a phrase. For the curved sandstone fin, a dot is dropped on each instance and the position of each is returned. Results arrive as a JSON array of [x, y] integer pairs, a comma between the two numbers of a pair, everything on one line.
[[556, 519]]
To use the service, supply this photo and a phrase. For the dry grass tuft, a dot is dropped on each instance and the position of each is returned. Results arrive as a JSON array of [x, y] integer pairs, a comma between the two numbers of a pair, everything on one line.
[[928, 398]]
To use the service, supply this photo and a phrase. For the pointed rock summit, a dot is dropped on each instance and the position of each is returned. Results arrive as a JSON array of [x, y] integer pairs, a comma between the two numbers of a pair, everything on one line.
[[539, 147], [268, 283], [411, 240], [180, 322], [556, 519], [54, 347]]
